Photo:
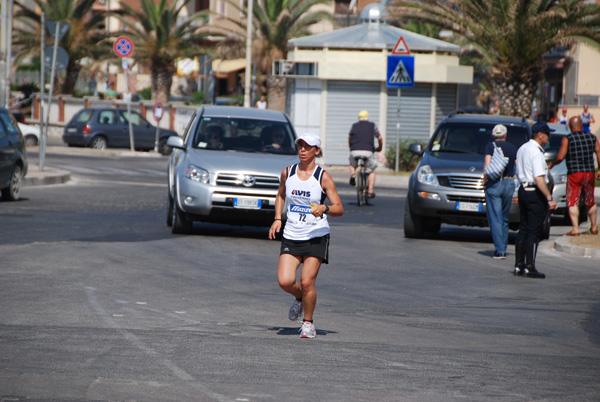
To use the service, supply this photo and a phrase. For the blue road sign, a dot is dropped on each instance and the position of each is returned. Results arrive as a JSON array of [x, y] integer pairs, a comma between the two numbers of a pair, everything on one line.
[[400, 72]]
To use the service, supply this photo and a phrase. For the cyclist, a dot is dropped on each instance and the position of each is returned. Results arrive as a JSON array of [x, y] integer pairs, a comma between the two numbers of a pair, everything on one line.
[[361, 141]]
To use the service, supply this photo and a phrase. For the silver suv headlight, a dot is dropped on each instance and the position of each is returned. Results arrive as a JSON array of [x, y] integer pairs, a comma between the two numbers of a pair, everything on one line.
[[425, 176], [195, 173]]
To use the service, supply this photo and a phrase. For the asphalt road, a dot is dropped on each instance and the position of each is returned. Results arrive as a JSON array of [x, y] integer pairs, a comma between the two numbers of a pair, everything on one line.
[[100, 302]]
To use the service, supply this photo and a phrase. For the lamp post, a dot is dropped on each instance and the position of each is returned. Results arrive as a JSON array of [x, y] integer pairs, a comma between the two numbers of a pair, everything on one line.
[[247, 86]]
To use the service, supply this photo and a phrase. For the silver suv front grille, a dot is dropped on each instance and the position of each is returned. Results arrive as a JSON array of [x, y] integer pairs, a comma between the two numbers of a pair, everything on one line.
[[238, 180], [466, 182]]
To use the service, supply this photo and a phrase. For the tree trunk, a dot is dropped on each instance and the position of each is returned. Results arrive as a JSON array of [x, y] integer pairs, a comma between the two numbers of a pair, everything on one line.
[[277, 93], [162, 78], [66, 85], [516, 90]]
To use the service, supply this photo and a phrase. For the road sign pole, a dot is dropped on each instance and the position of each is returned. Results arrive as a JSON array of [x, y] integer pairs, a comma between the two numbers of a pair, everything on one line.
[[129, 112], [42, 93], [398, 134], [52, 73]]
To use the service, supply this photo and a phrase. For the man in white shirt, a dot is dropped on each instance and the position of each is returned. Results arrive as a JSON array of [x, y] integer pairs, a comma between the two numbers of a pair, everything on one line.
[[535, 198]]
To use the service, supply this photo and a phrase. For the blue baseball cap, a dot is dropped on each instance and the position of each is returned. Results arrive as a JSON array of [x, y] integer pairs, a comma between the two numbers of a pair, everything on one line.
[[541, 127]]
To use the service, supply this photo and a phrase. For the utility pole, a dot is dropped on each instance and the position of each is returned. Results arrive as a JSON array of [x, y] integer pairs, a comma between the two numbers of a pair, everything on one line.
[[247, 86], [3, 40], [9, 48]]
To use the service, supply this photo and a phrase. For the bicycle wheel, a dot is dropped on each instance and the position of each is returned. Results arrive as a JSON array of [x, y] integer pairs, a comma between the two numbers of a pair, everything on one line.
[[360, 185], [365, 187]]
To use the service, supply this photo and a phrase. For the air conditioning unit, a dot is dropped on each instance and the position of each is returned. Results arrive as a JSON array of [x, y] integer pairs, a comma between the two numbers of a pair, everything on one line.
[[289, 68]]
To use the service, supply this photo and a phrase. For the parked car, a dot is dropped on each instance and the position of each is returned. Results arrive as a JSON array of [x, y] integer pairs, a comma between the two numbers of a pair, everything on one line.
[[447, 185], [106, 127], [234, 180], [559, 173], [30, 133], [13, 157]]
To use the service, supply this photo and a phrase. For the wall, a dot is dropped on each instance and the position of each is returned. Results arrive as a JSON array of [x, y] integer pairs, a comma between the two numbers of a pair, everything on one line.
[[175, 117]]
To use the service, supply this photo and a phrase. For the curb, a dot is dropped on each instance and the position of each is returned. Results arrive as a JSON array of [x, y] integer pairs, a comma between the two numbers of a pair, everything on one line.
[[35, 177], [562, 244]]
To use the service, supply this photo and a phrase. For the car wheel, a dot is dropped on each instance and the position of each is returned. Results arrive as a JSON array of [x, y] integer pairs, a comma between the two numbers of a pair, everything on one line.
[[31, 140], [163, 148], [433, 227], [413, 224], [169, 209], [99, 142], [546, 228], [12, 192], [180, 224]]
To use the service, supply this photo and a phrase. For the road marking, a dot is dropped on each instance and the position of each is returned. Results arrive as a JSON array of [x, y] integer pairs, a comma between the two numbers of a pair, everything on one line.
[[94, 302]]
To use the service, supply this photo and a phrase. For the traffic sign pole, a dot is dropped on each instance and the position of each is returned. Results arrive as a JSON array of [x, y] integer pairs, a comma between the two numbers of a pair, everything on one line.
[[158, 113], [52, 72], [123, 47]]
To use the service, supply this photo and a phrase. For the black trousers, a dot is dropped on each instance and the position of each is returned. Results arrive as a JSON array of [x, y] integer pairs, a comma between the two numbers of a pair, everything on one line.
[[533, 208]]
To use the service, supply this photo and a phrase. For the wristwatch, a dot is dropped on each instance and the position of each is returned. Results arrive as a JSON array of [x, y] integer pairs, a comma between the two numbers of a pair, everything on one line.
[[326, 209], [550, 199]]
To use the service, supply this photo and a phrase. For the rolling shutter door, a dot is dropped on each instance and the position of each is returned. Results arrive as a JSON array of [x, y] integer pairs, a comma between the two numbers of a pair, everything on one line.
[[415, 113], [344, 100], [446, 101]]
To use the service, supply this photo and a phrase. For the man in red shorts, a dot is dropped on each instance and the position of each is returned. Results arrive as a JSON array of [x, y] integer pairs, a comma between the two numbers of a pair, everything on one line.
[[578, 149]]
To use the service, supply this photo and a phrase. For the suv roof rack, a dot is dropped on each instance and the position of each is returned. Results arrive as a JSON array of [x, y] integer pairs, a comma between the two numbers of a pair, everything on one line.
[[455, 112]]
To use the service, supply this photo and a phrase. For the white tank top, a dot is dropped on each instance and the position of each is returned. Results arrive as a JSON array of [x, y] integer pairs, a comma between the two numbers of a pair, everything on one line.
[[299, 195]]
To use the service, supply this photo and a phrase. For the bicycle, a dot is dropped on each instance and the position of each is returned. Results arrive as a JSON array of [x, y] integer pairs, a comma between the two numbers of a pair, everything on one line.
[[361, 181]]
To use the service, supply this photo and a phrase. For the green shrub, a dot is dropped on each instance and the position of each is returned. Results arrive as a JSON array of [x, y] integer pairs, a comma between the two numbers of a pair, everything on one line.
[[80, 93], [198, 97], [146, 93], [408, 161]]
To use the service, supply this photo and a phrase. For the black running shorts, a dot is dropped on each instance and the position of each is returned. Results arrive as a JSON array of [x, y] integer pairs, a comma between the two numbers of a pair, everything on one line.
[[316, 247]]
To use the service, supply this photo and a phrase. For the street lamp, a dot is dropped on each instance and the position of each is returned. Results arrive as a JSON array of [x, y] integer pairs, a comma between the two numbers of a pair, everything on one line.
[[247, 87]]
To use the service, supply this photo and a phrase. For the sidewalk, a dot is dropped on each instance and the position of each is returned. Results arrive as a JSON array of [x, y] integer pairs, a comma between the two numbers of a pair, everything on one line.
[[584, 245]]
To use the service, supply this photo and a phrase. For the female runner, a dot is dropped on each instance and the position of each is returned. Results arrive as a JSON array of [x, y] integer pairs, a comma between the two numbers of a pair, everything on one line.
[[306, 234]]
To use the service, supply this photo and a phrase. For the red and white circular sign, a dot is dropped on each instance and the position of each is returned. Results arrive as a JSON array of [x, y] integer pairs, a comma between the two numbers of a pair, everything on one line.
[[123, 46]]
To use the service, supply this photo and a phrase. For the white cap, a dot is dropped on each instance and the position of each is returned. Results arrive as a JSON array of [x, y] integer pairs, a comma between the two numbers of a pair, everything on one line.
[[311, 139], [499, 131]]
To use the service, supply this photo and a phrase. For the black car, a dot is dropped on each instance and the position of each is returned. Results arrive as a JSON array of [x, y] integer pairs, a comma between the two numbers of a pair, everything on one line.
[[13, 158], [101, 128], [447, 185]]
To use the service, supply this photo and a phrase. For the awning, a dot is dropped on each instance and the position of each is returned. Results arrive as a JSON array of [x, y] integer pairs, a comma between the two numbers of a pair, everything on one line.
[[224, 67]]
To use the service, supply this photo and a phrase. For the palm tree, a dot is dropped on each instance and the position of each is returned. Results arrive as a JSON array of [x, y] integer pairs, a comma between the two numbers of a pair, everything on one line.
[[511, 36], [80, 42], [161, 36], [275, 22]]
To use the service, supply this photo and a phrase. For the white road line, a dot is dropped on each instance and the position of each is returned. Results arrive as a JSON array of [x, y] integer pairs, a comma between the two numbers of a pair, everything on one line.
[[97, 306]]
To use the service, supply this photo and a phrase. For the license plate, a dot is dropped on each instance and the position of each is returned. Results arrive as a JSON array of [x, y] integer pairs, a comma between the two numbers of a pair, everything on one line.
[[71, 130], [247, 203], [468, 206]]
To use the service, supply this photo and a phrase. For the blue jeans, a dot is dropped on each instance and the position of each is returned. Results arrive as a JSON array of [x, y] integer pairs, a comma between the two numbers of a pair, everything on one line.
[[498, 197]]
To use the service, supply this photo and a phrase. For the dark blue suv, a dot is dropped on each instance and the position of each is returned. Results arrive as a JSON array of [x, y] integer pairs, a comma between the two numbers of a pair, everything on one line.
[[447, 185], [13, 158]]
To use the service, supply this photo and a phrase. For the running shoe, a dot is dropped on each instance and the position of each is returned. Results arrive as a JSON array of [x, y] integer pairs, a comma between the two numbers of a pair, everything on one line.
[[296, 311], [308, 330]]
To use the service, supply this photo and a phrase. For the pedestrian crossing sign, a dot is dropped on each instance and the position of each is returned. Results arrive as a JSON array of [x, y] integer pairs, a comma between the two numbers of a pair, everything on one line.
[[400, 72]]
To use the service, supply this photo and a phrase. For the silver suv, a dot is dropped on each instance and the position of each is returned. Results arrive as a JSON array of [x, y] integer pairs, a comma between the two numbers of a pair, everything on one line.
[[226, 168], [447, 185]]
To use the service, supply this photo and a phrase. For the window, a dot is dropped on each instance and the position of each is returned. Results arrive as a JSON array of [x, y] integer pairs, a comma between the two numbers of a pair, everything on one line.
[[136, 119], [202, 5], [107, 117], [84, 116], [247, 135], [9, 123], [471, 138]]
